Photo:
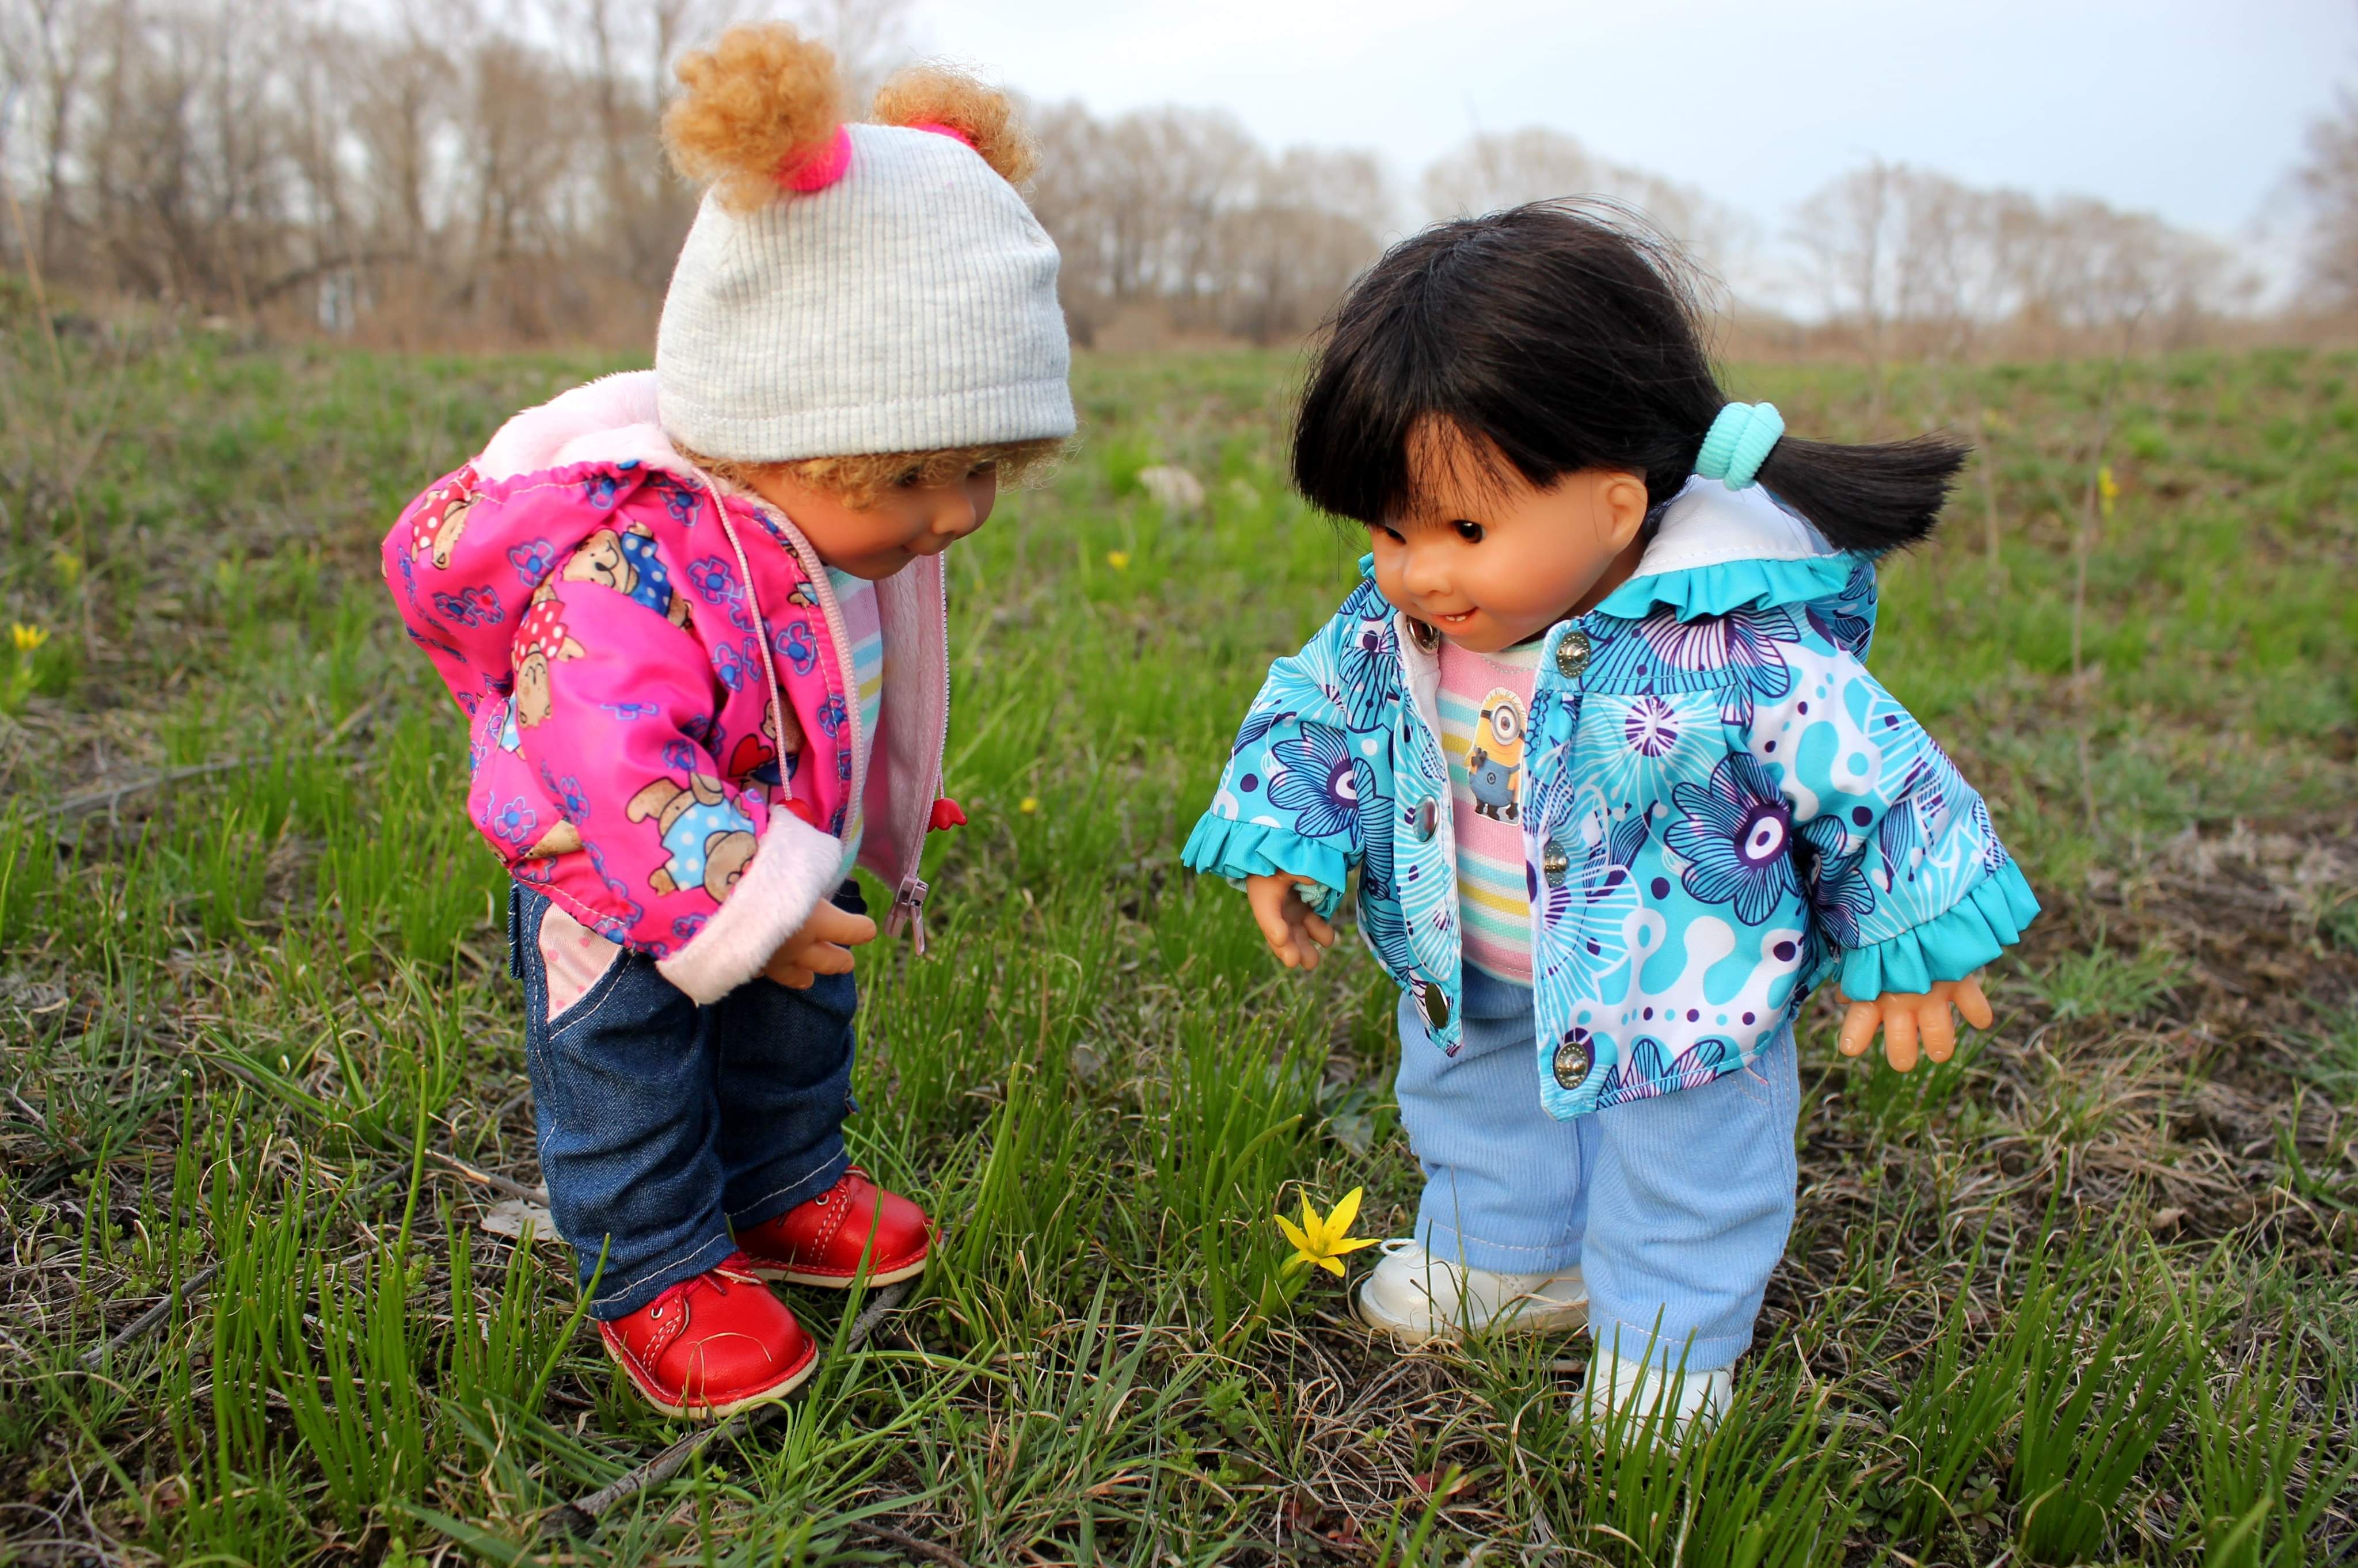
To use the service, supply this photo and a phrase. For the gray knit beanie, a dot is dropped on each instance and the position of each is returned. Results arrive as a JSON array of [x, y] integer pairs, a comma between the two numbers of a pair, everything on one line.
[[902, 299]]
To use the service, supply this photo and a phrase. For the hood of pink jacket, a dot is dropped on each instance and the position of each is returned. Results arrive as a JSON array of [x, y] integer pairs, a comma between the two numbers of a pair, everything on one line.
[[609, 618]]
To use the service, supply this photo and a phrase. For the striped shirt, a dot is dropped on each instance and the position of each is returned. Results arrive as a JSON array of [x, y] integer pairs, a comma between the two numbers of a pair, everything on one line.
[[1484, 700], [857, 598]]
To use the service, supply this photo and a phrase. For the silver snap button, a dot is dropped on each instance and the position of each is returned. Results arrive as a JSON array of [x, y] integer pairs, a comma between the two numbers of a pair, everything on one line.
[[1572, 654], [1426, 817], [1422, 635], [1572, 1061], [1555, 863], [1435, 1005]]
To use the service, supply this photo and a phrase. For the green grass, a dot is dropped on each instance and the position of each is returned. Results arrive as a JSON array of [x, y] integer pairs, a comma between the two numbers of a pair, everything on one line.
[[2084, 1293]]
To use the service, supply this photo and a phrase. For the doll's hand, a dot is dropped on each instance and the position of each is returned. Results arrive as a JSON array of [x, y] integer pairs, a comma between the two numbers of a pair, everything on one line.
[[823, 947], [1904, 1018], [1294, 933]]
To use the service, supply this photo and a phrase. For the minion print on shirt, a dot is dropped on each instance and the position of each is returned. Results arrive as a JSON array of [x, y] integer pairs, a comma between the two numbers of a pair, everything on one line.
[[1484, 703], [1494, 764]]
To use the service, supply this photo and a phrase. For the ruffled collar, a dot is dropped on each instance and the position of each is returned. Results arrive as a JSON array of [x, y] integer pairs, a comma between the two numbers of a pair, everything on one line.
[[1717, 550]]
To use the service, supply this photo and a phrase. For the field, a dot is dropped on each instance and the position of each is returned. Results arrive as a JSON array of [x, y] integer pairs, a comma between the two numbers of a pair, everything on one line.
[[2088, 1293]]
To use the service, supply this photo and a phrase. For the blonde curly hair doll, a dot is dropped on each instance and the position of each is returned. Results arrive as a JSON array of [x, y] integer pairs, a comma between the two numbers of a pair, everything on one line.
[[696, 618]]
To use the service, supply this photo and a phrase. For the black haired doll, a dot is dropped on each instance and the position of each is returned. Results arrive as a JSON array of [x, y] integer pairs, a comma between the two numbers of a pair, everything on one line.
[[1658, 605]]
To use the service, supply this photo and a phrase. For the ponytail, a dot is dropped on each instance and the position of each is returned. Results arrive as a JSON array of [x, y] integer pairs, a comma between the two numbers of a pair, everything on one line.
[[1869, 498], [1861, 498]]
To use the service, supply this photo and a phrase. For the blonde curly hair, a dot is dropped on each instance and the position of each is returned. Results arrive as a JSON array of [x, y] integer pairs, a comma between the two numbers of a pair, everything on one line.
[[861, 479]]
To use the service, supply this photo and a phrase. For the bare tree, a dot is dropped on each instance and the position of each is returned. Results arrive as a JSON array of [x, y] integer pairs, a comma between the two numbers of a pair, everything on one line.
[[871, 40], [1494, 172], [2330, 181], [1913, 264]]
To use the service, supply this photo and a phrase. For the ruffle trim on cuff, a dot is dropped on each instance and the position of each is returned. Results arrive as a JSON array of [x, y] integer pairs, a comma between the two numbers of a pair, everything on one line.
[[1697, 591], [1223, 846], [1988, 920]]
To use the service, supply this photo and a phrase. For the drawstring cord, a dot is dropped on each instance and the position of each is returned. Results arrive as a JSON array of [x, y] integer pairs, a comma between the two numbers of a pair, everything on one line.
[[761, 626]]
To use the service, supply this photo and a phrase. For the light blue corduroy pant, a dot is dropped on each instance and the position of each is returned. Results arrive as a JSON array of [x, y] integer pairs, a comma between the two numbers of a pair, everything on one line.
[[1676, 1208]]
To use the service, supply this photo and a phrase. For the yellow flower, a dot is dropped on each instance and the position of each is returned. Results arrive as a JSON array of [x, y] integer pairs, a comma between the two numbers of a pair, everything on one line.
[[67, 564], [1028, 805], [28, 638], [1118, 559], [2106, 491], [1325, 1242]]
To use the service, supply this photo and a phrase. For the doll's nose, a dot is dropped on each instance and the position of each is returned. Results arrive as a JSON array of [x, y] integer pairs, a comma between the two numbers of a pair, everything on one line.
[[1423, 572], [958, 517]]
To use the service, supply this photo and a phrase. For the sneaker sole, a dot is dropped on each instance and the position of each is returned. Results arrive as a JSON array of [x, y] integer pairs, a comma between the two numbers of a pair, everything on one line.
[[688, 1411], [881, 1277], [1554, 1320]]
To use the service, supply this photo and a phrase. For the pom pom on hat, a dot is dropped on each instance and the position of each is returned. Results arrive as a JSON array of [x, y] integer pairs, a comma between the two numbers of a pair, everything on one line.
[[764, 110], [849, 290], [935, 98]]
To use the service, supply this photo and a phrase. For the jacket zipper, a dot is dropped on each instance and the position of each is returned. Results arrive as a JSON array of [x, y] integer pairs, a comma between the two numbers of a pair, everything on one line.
[[909, 900]]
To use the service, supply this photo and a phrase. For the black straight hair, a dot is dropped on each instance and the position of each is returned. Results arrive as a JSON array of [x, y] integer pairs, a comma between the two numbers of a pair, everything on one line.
[[1559, 337]]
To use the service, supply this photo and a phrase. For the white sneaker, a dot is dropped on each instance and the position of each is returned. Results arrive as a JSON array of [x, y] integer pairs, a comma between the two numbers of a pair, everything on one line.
[[1416, 1296], [1665, 1407]]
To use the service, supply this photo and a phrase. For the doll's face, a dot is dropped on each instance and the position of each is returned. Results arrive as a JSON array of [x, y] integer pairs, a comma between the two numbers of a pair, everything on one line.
[[907, 520], [1488, 559]]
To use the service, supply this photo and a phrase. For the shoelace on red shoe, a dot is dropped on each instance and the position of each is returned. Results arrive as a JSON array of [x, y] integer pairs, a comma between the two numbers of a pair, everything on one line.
[[842, 1185], [735, 1268]]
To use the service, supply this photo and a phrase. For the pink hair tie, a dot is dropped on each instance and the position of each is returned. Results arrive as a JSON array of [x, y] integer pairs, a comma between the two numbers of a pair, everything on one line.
[[817, 168], [938, 129]]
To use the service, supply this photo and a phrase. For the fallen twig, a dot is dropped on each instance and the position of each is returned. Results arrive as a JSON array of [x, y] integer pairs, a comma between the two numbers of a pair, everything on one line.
[[115, 794], [147, 1321], [107, 799], [909, 1542], [579, 1517], [497, 1184]]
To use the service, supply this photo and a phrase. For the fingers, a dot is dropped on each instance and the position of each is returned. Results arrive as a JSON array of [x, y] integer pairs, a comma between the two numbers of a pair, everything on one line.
[[1267, 897], [1899, 1033], [1939, 1029], [1973, 1005], [1858, 1028], [824, 959], [830, 924], [794, 977], [1320, 931]]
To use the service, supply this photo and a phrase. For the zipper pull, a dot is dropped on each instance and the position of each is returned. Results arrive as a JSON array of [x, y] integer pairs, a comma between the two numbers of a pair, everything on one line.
[[909, 909]]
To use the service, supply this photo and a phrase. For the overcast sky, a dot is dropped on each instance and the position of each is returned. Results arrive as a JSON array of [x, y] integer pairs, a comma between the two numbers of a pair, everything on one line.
[[2194, 109]]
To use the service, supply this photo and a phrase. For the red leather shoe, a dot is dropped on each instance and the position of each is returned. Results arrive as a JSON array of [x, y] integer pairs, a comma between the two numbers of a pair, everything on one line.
[[712, 1346], [820, 1242]]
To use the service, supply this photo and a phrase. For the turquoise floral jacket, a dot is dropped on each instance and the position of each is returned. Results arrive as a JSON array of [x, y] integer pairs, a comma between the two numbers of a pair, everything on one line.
[[1721, 808]]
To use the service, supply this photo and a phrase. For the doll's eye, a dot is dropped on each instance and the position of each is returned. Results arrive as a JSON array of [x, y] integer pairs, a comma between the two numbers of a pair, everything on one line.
[[909, 479], [1470, 532], [983, 471], [1391, 534]]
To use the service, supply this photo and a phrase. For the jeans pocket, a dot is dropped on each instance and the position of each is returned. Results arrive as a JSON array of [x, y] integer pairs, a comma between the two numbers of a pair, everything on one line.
[[578, 967]]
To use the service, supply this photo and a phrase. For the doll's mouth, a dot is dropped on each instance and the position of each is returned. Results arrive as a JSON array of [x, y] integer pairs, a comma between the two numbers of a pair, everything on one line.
[[1460, 619]]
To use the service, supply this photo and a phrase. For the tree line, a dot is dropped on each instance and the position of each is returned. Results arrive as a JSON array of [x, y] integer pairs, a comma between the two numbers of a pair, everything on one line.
[[456, 170]]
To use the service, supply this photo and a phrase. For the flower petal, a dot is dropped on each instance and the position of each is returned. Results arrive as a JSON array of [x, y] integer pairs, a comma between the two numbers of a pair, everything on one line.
[[1295, 1234], [1339, 1224]]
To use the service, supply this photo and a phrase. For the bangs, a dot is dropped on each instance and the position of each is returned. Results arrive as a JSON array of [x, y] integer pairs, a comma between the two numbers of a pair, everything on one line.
[[1408, 402]]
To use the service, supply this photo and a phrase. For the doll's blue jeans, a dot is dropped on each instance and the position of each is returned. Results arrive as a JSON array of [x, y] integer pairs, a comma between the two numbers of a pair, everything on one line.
[[1676, 1209], [661, 1122]]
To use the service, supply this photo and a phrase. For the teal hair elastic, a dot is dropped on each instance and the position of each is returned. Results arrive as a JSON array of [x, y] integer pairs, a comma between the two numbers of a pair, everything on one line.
[[1739, 442]]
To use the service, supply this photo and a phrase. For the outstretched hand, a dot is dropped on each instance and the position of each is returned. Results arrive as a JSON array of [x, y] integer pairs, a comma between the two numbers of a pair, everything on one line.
[[1293, 930], [823, 947], [1906, 1019]]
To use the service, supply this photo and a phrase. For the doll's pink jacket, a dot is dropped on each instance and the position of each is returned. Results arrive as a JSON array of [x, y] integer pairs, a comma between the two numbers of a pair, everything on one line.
[[598, 605]]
